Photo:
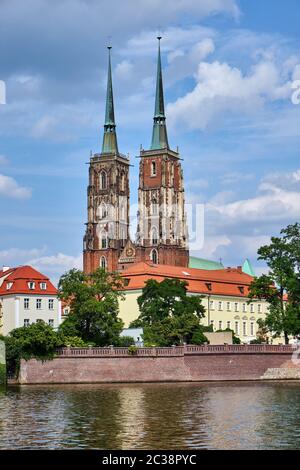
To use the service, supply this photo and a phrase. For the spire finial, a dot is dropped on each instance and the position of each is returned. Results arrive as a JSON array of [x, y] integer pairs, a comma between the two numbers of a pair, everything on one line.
[[159, 135], [110, 144]]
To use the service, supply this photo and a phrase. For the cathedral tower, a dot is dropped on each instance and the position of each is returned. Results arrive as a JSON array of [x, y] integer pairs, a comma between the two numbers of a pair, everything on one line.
[[107, 230], [162, 231]]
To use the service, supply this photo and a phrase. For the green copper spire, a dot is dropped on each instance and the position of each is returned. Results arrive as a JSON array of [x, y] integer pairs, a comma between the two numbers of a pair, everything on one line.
[[159, 134], [110, 144]]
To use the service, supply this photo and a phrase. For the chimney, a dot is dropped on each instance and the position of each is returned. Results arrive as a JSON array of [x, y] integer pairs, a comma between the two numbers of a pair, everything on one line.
[[240, 269], [5, 268]]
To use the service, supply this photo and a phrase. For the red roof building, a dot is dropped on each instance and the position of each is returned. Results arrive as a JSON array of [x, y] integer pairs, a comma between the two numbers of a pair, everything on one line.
[[26, 296]]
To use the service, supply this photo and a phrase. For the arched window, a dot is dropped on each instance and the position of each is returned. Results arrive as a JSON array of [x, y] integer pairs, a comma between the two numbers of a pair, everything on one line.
[[154, 256], [103, 210], [154, 236], [104, 242], [103, 180], [103, 263], [123, 182], [153, 168], [154, 207]]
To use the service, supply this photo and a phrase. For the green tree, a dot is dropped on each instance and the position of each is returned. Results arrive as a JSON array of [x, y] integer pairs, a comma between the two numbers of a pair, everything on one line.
[[281, 286], [167, 314], [37, 340], [94, 308]]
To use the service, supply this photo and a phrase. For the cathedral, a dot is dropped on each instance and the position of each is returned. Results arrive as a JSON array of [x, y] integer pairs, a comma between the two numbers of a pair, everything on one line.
[[162, 236]]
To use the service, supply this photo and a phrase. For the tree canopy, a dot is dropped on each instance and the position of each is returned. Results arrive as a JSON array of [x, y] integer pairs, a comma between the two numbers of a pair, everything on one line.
[[94, 308], [168, 315], [281, 286]]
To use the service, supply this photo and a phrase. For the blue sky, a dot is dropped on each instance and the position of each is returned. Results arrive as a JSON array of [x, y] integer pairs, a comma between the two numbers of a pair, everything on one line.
[[228, 70]]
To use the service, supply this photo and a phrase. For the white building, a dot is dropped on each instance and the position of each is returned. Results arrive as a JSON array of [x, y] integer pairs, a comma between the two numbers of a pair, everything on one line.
[[27, 296]]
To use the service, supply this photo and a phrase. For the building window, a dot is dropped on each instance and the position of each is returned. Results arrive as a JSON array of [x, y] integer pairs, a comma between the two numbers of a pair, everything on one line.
[[211, 305], [26, 322], [252, 328], [51, 322], [103, 180], [220, 306], [154, 236], [154, 207], [66, 311], [244, 308], [229, 325], [154, 256], [244, 328], [220, 325], [123, 182], [259, 308], [236, 328], [43, 285], [26, 304], [103, 240], [252, 308], [212, 322], [38, 304], [236, 306], [153, 168], [31, 285], [228, 306], [103, 262], [51, 304], [103, 210]]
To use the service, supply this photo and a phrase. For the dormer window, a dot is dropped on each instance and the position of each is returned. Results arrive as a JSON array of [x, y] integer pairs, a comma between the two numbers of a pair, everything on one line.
[[241, 289], [9, 285], [31, 285], [43, 285], [208, 285]]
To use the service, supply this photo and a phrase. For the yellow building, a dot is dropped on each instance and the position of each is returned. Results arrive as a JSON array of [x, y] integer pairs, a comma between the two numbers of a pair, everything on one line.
[[224, 294]]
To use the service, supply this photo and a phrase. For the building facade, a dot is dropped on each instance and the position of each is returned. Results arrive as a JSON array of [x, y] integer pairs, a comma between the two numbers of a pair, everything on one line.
[[27, 296], [224, 291], [161, 231]]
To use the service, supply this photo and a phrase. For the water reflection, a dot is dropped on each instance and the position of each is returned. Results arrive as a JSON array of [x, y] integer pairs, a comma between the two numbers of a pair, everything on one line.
[[153, 416]]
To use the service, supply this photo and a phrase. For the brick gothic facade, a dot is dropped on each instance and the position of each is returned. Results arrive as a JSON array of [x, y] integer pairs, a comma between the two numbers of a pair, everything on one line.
[[161, 231], [108, 211]]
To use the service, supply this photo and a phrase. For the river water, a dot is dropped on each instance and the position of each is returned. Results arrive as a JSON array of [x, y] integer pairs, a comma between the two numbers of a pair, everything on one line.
[[151, 416]]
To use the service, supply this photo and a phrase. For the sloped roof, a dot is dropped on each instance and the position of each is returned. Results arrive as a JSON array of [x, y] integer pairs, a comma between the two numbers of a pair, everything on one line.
[[227, 281], [20, 276], [201, 263]]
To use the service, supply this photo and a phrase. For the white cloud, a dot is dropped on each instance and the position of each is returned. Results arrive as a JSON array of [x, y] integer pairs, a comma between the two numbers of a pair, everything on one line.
[[11, 189], [221, 88], [61, 262], [17, 256]]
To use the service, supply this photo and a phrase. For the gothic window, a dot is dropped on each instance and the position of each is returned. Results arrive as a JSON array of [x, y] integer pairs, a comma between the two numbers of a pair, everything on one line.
[[123, 182], [154, 236], [154, 256], [103, 263], [154, 207], [103, 211], [104, 242], [153, 168], [103, 180], [122, 212]]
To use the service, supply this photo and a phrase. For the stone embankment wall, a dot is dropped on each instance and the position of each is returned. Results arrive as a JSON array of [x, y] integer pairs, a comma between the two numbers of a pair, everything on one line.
[[176, 364]]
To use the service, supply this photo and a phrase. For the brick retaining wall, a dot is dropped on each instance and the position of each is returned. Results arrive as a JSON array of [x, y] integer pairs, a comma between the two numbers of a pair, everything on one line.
[[180, 364]]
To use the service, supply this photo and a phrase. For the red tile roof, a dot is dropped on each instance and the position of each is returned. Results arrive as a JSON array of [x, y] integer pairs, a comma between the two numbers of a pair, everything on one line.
[[20, 276], [230, 281]]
